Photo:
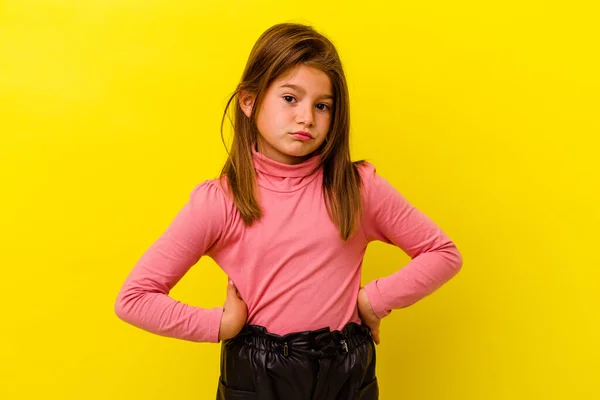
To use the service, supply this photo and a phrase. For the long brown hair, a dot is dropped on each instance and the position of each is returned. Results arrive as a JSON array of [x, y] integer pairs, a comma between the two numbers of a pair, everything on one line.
[[278, 50]]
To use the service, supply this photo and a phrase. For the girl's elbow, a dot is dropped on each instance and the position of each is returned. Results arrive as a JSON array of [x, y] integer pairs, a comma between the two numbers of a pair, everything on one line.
[[122, 308], [119, 308], [457, 260], [452, 257]]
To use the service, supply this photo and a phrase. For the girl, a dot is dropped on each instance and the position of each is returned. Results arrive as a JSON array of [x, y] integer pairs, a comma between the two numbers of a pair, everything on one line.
[[288, 221]]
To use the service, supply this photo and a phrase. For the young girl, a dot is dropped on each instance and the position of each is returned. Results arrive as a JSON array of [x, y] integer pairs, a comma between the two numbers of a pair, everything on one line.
[[289, 221]]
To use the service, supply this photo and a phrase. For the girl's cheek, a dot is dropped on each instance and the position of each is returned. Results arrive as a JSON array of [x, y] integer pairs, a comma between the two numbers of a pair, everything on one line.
[[325, 120]]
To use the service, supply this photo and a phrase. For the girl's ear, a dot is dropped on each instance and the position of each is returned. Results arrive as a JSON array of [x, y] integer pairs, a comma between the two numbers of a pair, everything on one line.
[[246, 102]]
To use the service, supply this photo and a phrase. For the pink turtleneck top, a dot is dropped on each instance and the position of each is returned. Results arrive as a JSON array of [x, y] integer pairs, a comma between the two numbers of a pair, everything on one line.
[[292, 268]]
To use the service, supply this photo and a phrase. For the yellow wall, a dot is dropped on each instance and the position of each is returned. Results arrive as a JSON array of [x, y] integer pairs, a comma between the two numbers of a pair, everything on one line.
[[484, 116]]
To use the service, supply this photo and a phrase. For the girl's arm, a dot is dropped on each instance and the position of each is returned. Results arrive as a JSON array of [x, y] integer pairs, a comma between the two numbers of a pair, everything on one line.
[[144, 301], [390, 218]]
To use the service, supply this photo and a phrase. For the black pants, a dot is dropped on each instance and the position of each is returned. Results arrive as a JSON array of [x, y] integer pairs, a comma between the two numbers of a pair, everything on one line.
[[311, 365]]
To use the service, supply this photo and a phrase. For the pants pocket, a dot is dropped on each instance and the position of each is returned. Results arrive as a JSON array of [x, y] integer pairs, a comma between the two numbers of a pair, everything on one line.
[[369, 392], [226, 393]]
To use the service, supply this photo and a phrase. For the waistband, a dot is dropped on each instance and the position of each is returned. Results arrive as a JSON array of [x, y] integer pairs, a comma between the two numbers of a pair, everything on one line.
[[318, 343]]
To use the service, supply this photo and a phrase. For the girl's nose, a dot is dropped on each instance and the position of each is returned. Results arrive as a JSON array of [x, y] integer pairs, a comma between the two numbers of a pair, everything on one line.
[[305, 116]]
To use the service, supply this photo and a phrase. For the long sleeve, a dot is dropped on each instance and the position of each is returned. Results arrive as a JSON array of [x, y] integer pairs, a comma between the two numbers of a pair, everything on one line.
[[144, 301], [390, 218]]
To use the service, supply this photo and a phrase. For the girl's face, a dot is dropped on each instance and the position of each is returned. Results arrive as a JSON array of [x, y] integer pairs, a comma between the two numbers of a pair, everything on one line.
[[295, 115]]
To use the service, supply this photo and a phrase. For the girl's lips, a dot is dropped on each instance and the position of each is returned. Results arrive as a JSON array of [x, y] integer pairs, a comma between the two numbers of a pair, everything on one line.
[[302, 135]]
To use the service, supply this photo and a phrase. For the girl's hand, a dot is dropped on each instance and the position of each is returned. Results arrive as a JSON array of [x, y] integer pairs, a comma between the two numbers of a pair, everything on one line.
[[367, 315], [234, 315]]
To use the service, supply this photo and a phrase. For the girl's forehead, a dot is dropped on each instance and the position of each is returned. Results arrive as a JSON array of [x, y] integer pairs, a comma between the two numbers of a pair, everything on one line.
[[303, 72], [305, 78]]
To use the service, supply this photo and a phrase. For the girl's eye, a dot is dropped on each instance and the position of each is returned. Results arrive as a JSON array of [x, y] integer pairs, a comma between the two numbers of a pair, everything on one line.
[[320, 106]]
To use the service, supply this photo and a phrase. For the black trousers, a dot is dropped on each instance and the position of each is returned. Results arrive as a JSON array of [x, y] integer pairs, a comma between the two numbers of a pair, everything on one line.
[[311, 365]]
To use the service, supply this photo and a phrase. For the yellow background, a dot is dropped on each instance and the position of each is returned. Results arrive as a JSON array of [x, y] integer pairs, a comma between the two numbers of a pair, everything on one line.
[[485, 115]]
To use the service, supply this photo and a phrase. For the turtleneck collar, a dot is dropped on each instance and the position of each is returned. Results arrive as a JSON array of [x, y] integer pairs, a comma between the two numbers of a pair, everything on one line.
[[280, 177]]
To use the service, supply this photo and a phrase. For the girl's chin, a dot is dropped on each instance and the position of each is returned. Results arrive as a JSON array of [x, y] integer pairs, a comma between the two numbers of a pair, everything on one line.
[[298, 153], [294, 156]]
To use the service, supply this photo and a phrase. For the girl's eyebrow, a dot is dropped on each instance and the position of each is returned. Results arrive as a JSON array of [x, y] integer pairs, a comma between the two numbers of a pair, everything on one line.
[[301, 90]]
